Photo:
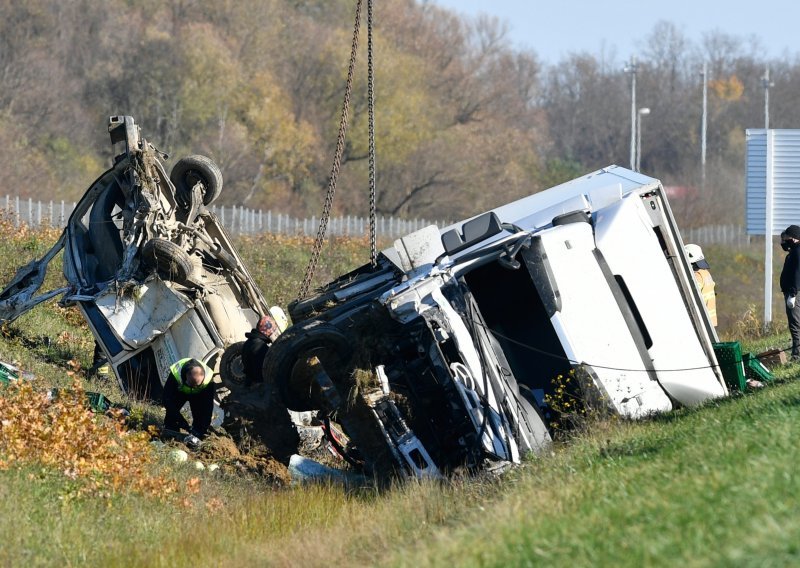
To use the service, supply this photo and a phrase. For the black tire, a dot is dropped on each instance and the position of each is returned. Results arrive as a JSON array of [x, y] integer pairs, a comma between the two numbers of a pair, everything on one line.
[[171, 261], [192, 169], [532, 423], [231, 366], [285, 361]]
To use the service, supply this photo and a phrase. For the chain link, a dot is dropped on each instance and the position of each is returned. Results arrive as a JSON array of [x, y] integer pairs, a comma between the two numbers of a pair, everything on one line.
[[337, 161], [371, 104]]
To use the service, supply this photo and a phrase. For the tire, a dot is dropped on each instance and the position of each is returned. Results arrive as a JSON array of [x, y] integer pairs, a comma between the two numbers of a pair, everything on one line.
[[532, 424], [171, 261], [231, 366], [285, 360], [192, 169]]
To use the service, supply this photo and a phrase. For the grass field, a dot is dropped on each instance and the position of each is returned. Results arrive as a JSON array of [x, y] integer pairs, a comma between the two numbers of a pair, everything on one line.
[[714, 486]]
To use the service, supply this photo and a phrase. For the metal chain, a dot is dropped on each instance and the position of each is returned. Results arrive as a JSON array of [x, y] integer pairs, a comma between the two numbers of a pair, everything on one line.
[[371, 104], [337, 161]]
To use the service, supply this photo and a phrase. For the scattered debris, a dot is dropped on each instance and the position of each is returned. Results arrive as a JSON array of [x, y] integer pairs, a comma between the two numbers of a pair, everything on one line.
[[305, 470]]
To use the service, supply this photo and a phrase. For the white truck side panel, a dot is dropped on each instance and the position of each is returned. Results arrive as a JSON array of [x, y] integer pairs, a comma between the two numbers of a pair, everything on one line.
[[624, 234], [591, 327]]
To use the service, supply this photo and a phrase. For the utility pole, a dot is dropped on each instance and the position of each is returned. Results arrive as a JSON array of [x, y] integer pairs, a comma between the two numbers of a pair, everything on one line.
[[631, 69], [703, 127], [766, 83], [642, 112]]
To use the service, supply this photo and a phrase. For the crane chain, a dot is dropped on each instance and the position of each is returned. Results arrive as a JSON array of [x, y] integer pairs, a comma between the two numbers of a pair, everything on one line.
[[337, 161], [371, 105]]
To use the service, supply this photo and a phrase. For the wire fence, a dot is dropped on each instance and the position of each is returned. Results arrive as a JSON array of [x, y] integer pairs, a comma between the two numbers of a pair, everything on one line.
[[730, 235], [239, 220]]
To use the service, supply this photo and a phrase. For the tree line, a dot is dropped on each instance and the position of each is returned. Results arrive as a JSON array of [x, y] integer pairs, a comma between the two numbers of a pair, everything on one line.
[[464, 121]]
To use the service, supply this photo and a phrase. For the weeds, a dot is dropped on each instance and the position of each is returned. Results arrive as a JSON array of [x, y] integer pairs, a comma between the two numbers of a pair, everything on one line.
[[750, 326], [63, 435], [576, 403]]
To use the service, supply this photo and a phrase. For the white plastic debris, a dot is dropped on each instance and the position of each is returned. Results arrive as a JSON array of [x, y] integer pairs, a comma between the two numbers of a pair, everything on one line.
[[179, 456], [304, 470]]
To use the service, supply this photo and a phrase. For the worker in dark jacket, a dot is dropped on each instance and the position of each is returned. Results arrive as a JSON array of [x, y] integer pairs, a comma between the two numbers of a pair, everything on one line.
[[790, 284], [189, 381], [255, 348]]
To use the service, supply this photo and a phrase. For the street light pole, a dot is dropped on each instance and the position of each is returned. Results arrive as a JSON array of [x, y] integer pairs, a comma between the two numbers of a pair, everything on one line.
[[644, 111], [703, 127], [631, 68], [766, 83]]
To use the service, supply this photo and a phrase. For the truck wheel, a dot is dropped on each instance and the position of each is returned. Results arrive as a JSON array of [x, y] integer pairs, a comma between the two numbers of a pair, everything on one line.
[[189, 171], [171, 261], [285, 364], [231, 366], [533, 433]]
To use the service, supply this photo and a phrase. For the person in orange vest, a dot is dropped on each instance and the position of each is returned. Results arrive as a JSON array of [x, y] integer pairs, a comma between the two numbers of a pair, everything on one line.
[[703, 279], [189, 380]]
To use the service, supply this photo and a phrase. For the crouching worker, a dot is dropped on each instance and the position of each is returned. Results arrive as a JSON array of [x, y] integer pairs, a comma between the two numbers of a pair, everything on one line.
[[189, 381]]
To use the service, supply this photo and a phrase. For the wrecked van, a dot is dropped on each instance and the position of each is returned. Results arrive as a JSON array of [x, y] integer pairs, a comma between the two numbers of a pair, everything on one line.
[[149, 265], [445, 354]]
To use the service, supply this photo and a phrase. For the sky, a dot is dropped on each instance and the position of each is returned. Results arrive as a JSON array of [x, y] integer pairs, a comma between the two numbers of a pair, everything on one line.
[[556, 28]]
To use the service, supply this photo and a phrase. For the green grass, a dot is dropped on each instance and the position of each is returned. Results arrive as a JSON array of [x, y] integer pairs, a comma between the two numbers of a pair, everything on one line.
[[714, 486]]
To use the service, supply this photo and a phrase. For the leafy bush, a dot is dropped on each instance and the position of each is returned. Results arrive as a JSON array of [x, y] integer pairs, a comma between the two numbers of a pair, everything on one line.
[[63, 435]]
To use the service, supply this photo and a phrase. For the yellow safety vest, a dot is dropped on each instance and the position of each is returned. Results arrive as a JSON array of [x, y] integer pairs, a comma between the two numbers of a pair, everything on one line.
[[175, 372], [706, 286]]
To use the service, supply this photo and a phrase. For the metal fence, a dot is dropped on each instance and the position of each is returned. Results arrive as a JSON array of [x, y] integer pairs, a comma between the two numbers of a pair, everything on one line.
[[242, 221], [237, 220], [731, 235]]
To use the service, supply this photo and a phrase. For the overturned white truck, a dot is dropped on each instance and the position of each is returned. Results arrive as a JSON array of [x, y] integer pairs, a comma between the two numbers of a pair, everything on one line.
[[442, 356]]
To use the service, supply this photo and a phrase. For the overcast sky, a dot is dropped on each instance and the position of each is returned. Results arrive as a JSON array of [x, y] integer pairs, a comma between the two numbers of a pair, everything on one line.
[[555, 28]]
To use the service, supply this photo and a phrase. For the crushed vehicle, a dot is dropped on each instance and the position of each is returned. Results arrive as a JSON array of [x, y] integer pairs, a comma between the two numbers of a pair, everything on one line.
[[444, 355], [150, 267]]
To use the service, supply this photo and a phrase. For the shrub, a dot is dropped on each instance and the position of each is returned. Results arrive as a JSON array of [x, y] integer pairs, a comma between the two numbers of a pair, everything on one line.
[[63, 435]]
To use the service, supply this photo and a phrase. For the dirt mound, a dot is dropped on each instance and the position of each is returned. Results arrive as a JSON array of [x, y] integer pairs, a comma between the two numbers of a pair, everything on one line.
[[218, 448], [265, 469], [258, 425], [254, 462]]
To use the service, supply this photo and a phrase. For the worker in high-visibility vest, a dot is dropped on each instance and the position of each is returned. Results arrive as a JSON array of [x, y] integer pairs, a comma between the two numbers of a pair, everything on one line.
[[703, 279], [189, 380]]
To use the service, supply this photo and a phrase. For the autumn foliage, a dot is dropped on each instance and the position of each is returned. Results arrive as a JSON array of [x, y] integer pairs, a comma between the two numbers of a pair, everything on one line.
[[64, 435]]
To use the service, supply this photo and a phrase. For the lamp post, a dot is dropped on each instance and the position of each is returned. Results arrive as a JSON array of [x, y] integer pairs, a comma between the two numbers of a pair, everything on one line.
[[766, 83], [703, 126], [644, 111], [631, 69]]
